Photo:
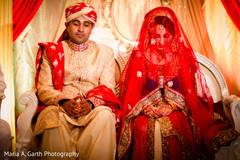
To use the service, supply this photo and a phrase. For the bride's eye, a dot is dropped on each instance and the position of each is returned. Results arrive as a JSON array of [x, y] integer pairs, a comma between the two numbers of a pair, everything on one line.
[[167, 35]]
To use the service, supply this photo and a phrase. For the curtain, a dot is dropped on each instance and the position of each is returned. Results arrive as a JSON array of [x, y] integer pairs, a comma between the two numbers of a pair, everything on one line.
[[225, 39], [23, 12], [191, 17], [233, 9], [6, 58], [42, 28]]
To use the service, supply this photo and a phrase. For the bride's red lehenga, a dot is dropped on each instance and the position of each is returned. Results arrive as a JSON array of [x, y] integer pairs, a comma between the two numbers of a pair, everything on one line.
[[163, 90]]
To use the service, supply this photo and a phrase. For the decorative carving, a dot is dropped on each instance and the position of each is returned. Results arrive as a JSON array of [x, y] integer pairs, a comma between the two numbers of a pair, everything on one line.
[[24, 122], [215, 71], [125, 46]]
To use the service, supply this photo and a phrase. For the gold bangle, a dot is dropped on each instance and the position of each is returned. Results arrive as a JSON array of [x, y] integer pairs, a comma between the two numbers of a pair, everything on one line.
[[173, 105]]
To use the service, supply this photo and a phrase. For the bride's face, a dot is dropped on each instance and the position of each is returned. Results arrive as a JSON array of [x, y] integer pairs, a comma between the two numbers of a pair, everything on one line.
[[163, 37]]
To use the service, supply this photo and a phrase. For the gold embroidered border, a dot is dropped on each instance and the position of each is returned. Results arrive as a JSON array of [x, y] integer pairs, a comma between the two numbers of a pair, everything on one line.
[[174, 97], [125, 138], [150, 138], [151, 99], [188, 152], [229, 134], [166, 126], [96, 101], [165, 149], [167, 130], [158, 13]]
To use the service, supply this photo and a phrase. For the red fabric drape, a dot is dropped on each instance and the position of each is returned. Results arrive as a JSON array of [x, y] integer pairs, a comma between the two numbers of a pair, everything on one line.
[[23, 12], [233, 9]]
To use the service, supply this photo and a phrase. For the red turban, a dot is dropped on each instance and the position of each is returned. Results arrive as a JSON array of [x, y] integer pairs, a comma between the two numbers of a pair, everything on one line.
[[76, 10], [81, 9]]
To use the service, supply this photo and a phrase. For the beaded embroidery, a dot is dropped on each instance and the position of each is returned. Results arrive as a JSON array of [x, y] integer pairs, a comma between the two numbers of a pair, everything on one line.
[[78, 47], [78, 63]]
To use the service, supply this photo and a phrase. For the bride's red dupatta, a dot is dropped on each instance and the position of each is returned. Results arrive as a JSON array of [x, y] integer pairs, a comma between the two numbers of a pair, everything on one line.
[[146, 61]]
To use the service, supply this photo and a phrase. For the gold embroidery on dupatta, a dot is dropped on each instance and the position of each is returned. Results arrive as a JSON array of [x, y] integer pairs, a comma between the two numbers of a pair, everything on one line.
[[229, 134], [150, 100], [166, 126], [150, 138], [174, 97], [165, 149], [96, 101], [168, 130], [124, 139]]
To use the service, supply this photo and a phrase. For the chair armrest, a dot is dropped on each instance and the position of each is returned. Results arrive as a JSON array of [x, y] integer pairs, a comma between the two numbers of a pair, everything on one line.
[[232, 109], [24, 122]]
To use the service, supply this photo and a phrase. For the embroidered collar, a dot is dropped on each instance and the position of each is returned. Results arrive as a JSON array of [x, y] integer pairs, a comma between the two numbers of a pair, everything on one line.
[[78, 47]]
